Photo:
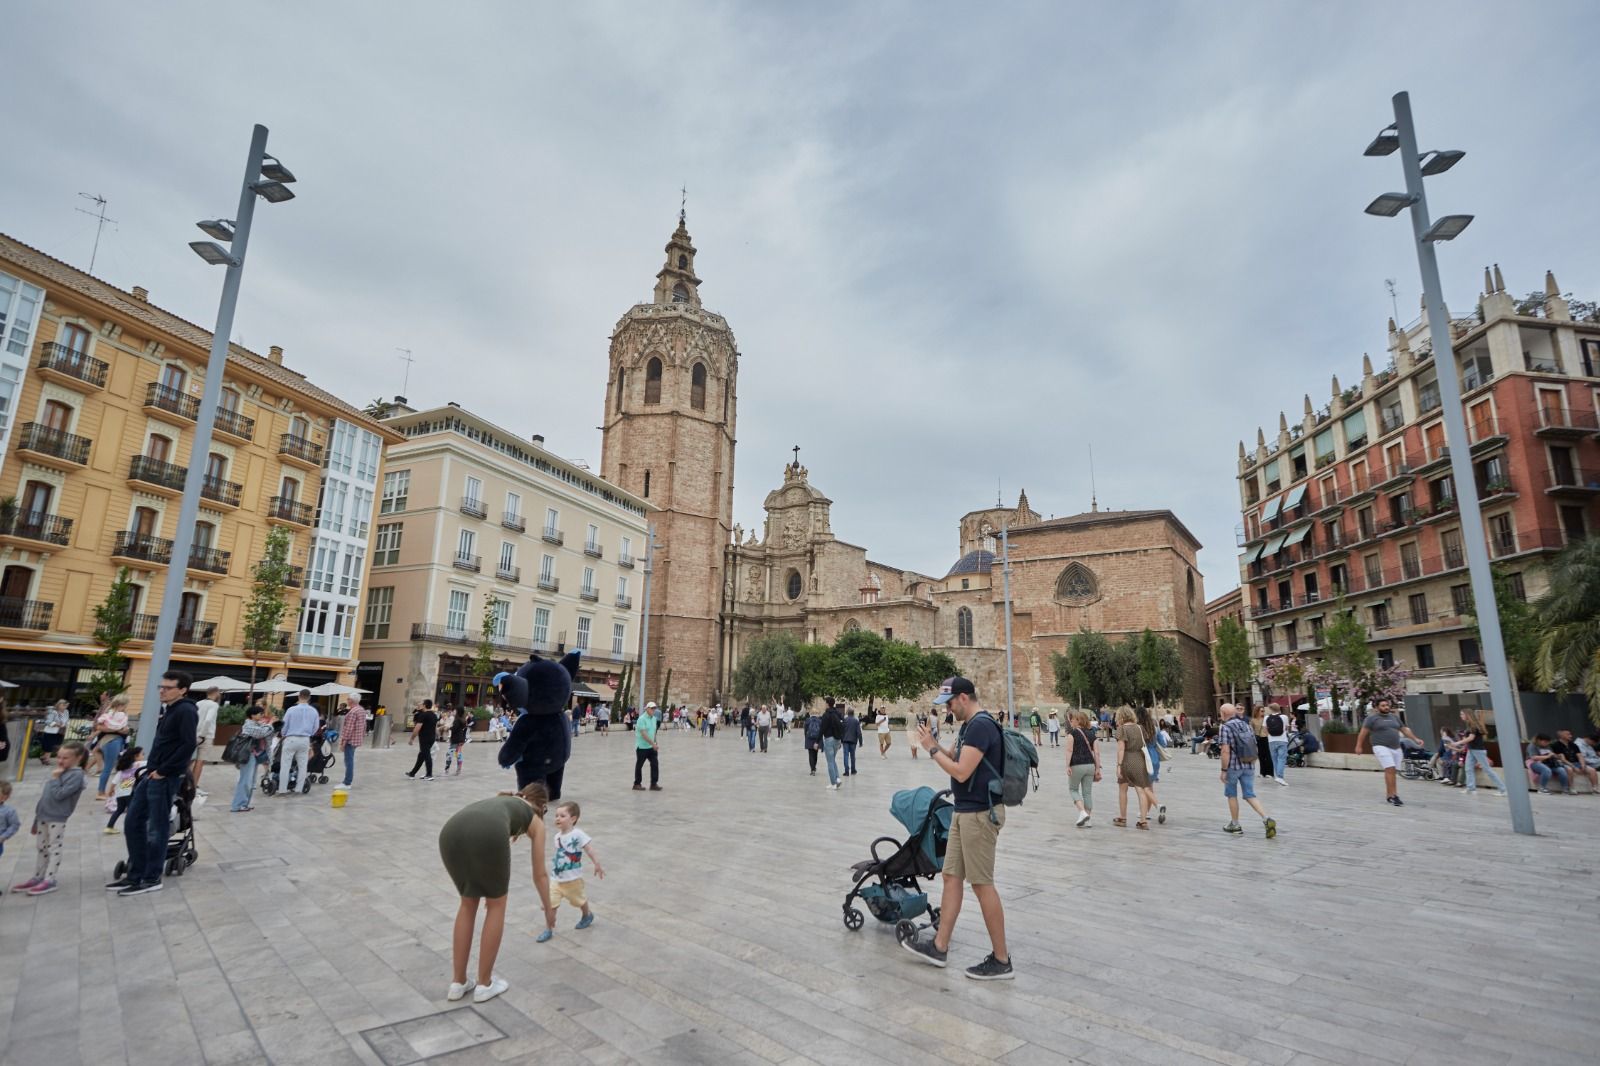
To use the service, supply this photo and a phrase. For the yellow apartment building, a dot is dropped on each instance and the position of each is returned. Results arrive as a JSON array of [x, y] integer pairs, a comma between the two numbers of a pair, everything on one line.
[[99, 395], [473, 517]]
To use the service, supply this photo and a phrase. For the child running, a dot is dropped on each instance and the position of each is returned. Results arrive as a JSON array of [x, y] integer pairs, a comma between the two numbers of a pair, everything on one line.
[[128, 764], [10, 824], [56, 803], [458, 740], [572, 844]]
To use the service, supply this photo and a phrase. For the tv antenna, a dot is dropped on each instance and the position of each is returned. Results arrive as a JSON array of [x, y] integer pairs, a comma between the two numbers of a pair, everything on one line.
[[100, 222], [405, 382], [1394, 301]]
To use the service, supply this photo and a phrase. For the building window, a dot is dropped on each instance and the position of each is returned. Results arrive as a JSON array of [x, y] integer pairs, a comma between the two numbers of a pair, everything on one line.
[[350, 575], [466, 544], [547, 568], [1461, 599], [380, 605], [360, 513], [1469, 653], [1268, 645], [396, 489], [1380, 616], [455, 619], [513, 506], [1386, 658], [324, 564], [647, 484], [793, 585], [1573, 524], [619, 637], [508, 556], [386, 548], [592, 537], [1419, 608], [964, 627], [552, 521], [474, 493], [1518, 589], [588, 580], [697, 387], [627, 548], [1502, 535], [541, 626], [621, 388], [367, 462], [502, 617], [622, 587], [582, 643], [652, 381], [1424, 656], [1076, 585]]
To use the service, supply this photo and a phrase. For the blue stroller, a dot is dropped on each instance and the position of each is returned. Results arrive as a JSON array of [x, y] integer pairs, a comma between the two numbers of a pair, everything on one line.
[[890, 885]]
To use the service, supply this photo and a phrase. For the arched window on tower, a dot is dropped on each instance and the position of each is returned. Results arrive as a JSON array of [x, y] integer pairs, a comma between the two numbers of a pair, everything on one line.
[[652, 381], [683, 262], [680, 294], [697, 387], [647, 484], [964, 627], [622, 389]]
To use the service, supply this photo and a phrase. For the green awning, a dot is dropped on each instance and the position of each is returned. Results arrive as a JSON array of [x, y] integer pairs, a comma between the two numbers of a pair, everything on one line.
[[1270, 511], [1297, 535], [1251, 555], [1296, 494], [1272, 546]]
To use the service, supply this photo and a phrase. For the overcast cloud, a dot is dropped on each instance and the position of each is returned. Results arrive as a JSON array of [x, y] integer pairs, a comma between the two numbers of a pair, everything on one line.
[[958, 243]]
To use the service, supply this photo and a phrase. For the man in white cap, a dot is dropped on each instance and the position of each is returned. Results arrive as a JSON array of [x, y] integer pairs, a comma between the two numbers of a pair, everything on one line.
[[645, 750]]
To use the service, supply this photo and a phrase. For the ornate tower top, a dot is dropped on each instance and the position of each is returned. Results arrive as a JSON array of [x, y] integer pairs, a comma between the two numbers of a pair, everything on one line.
[[676, 282]]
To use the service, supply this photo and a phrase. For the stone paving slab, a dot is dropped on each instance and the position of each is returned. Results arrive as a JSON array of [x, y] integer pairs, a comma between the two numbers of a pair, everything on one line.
[[1362, 934]]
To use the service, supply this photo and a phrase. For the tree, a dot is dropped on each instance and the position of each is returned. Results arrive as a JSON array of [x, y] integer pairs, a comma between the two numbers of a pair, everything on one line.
[[906, 671], [1085, 673], [1231, 656], [624, 696], [769, 670], [1288, 676], [264, 612], [854, 668], [1520, 631], [814, 662], [483, 660], [378, 409], [1568, 657], [113, 625], [1158, 667], [1345, 655]]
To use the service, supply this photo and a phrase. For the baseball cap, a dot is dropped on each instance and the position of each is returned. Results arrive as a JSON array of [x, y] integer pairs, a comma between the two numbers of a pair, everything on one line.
[[953, 687], [650, 706]]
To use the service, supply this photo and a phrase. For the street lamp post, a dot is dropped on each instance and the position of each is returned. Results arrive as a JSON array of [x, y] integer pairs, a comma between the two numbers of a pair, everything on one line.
[[644, 627], [1402, 136], [269, 179], [1005, 579]]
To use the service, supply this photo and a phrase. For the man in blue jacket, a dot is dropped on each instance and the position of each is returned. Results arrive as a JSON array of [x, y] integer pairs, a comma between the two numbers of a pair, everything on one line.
[[150, 809]]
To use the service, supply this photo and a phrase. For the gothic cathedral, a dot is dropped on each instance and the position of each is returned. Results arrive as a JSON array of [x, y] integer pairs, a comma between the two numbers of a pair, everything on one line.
[[668, 435]]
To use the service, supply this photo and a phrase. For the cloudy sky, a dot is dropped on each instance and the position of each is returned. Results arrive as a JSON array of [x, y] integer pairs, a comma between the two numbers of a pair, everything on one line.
[[958, 243]]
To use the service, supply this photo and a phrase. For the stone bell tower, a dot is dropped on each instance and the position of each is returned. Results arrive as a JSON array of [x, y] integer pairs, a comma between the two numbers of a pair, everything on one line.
[[669, 437]]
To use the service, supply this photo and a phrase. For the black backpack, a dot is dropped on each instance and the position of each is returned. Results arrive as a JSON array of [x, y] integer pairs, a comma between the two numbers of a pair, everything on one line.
[[1275, 725], [814, 729]]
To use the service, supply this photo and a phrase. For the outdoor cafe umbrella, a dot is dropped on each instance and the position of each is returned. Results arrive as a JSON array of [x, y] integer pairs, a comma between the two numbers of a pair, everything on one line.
[[334, 689], [226, 684], [276, 685]]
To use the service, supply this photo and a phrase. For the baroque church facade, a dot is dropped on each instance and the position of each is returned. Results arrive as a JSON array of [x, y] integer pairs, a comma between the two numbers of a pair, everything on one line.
[[671, 403]]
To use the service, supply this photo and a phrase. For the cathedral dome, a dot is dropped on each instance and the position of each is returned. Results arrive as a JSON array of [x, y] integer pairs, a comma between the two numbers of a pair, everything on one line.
[[974, 562]]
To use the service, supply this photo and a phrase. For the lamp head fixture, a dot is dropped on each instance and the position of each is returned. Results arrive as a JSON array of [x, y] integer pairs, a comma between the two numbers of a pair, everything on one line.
[[1390, 204], [221, 229], [273, 192], [1387, 142], [273, 170], [1439, 162], [213, 253], [1447, 228]]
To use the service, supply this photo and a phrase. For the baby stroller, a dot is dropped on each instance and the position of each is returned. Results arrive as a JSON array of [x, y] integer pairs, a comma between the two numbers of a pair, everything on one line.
[[318, 759], [181, 851], [889, 884]]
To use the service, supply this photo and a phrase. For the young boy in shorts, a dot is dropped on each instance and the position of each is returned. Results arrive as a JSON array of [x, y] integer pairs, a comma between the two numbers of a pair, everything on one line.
[[572, 844]]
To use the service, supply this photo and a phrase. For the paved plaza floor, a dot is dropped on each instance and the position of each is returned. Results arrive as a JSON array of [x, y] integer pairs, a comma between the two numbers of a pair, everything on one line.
[[1362, 934]]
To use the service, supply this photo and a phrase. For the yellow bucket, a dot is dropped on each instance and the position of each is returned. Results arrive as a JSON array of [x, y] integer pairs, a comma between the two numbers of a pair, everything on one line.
[[339, 796]]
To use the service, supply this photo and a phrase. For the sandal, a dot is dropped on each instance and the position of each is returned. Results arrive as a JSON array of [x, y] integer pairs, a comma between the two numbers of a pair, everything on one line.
[[1123, 822], [1141, 824]]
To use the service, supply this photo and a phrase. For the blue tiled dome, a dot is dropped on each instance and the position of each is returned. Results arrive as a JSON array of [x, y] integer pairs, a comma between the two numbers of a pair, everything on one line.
[[974, 562]]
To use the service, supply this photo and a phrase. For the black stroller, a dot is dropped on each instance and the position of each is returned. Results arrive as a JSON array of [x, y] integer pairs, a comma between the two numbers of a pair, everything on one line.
[[181, 850], [318, 758], [891, 885]]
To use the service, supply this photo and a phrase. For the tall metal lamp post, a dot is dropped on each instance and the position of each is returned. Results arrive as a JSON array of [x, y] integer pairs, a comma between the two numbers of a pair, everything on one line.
[[644, 626], [1402, 137], [269, 179], [1005, 578]]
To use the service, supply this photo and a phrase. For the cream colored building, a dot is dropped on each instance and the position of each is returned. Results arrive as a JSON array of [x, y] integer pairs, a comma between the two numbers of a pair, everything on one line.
[[472, 517]]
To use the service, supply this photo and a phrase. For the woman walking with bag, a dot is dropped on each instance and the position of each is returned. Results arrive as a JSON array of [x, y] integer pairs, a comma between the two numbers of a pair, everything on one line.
[[1133, 770], [255, 733], [1083, 766]]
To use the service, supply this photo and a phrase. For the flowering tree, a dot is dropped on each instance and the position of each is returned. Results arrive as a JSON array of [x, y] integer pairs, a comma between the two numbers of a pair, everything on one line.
[[1286, 676]]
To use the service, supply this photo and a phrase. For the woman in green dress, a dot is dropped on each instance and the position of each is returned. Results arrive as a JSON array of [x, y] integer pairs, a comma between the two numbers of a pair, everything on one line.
[[475, 845]]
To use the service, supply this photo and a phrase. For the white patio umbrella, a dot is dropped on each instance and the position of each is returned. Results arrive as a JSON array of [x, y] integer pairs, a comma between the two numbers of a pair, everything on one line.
[[273, 684], [6, 684], [226, 684], [335, 689]]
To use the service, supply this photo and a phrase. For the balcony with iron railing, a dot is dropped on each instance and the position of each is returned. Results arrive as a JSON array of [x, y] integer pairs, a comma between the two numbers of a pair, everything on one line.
[[625, 602], [1536, 365], [625, 560], [590, 594], [162, 399], [58, 361], [1389, 421], [39, 527], [468, 561], [299, 450], [16, 613], [512, 520], [553, 535], [209, 560], [1572, 482], [220, 490], [1396, 473], [295, 578], [195, 632], [52, 447], [549, 583], [470, 639], [1435, 455], [1395, 523], [154, 472], [288, 509], [1432, 512], [473, 508], [1569, 423], [235, 425], [141, 547], [143, 626], [593, 547], [508, 573]]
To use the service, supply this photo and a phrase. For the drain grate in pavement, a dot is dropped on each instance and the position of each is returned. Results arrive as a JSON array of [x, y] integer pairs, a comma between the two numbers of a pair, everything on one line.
[[421, 1039], [251, 864]]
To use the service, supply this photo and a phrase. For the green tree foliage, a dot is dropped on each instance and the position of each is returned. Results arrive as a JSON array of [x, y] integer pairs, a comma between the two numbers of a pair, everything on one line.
[[1568, 658], [1520, 631], [815, 662], [769, 670], [1346, 658], [1158, 668], [483, 660], [624, 695], [268, 599], [1231, 656], [855, 667], [113, 625]]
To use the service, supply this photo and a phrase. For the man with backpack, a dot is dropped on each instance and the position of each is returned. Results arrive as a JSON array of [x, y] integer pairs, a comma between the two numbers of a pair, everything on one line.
[[813, 740], [975, 767], [1239, 770], [1278, 725]]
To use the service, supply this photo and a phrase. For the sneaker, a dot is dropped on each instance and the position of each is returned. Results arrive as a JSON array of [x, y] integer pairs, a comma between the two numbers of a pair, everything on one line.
[[41, 888], [428, 778], [412, 775], [1083, 816], [484, 993], [544, 936], [585, 922], [1544, 792], [1161, 815], [110, 831], [922, 948], [120, 883], [991, 969], [141, 888], [1272, 828], [457, 991], [29, 883], [655, 788], [638, 788], [1087, 823], [1393, 801], [1282, 783], [1233, 827]]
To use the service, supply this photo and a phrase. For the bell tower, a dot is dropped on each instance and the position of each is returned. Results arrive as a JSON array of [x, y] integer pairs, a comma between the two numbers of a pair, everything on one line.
[[668, 436]]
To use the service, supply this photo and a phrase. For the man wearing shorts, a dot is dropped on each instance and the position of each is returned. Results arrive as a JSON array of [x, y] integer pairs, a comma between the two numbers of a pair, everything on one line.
[[1384, 728], [973, 765], [1238, 775]]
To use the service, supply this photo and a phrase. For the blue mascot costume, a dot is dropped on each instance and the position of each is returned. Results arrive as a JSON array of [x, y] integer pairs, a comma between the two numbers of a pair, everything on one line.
[[541, 740]]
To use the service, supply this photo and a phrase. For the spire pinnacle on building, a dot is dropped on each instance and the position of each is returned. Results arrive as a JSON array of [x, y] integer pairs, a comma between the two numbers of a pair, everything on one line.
[[676, 282], [1366, 365], [1499, 282], [1336, 389], [1488, 282], [1309, 408], [1550, 286]]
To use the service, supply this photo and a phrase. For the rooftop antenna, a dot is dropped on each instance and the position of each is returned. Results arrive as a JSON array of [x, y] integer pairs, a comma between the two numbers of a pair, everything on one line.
[[1094, 502], [405, 382], [683, 205], [1394, 301], [100, 223]]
